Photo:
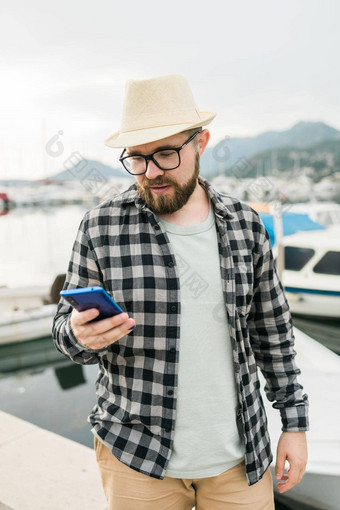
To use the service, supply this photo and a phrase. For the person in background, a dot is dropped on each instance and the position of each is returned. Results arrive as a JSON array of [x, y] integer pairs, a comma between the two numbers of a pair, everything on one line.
[[179, 419]]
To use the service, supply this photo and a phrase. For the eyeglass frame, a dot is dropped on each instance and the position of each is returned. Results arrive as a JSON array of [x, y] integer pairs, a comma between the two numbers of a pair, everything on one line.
[[150, 156]]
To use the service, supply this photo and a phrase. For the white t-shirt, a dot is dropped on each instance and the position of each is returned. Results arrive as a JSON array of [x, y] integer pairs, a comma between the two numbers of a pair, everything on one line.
[[207, 439]]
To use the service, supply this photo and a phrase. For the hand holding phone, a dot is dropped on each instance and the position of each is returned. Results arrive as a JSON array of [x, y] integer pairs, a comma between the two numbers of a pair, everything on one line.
[[96, 320], [92, 297]]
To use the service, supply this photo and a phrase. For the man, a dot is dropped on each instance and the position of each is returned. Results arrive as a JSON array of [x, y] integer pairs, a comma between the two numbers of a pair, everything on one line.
[[179, 419]]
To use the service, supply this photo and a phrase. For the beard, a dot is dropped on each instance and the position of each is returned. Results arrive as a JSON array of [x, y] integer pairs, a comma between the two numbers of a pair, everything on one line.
[[171, 201]]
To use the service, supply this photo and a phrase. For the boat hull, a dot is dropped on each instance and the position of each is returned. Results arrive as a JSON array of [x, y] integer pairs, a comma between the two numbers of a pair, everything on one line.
[[21, 326], [313, 304]]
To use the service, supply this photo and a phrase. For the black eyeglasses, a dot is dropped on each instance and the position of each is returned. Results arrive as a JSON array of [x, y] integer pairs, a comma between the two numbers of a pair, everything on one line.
[[167, 158]]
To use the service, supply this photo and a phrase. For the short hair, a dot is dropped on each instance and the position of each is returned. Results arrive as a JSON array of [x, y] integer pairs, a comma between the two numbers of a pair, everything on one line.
[[190, 132]]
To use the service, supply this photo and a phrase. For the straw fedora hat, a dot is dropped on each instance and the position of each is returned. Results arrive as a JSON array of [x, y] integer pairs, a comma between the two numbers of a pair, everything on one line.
[[157, 108]]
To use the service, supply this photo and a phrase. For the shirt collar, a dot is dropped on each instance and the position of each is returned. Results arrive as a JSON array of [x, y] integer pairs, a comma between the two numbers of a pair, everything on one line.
[[221, 210]]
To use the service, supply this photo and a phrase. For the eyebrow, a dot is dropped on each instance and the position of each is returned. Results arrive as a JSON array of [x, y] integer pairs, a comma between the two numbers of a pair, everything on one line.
[[162, 148]]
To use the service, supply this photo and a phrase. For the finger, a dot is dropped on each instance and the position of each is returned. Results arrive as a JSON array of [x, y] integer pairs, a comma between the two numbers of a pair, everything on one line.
[[280, 466], [81, 318], [104, 325], [282, 483], [111, 335], [292, 479]]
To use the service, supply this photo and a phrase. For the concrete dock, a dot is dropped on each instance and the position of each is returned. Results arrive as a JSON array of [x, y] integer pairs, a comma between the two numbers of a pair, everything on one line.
[[40, 470]]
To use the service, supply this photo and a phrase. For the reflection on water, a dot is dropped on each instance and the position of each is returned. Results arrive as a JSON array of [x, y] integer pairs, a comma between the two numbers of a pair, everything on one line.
[[70, 376], [57, 395]]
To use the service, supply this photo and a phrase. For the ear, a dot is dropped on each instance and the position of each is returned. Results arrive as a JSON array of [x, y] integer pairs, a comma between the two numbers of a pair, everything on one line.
[[203, 139]]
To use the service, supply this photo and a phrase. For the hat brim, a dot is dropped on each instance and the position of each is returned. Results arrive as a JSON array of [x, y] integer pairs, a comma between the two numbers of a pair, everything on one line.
[[140, 136]]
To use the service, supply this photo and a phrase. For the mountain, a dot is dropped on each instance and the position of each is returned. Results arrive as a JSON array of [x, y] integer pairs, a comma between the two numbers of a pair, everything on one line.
[[89, 167], [318, 160], [306, 142], [229, 151], [225, 153]]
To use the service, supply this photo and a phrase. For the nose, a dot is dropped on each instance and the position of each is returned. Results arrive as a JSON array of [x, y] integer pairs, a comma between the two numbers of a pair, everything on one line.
[[153, 171]]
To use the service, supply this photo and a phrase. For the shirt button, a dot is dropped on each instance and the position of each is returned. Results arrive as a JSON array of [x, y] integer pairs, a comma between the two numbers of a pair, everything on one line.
[[170, 392], [167, 430], [173, 349], [170, 264], [173, 308], [157, 227]]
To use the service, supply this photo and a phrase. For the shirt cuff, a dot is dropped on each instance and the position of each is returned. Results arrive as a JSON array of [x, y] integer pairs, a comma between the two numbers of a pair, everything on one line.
[[77, 343], [295, 418]]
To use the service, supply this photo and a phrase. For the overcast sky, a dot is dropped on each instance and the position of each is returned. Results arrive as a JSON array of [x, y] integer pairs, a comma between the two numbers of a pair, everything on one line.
[[260, 66]]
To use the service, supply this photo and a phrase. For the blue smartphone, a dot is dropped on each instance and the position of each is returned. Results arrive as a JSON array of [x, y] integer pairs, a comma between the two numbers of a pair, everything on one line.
[[92, 297]]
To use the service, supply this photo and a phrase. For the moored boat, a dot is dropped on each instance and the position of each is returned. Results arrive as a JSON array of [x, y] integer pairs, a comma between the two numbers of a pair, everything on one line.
[[311, 275], [26, 313]]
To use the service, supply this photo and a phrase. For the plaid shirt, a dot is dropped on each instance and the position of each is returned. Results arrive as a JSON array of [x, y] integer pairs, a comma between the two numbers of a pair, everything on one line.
[[121, 246]]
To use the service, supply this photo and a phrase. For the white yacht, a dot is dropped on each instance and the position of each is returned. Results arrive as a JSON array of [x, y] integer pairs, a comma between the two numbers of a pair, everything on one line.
[[26, 313], [311, 277]]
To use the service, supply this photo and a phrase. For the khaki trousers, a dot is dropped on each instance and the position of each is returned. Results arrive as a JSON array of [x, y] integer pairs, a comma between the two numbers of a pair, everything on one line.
[[127, 489]]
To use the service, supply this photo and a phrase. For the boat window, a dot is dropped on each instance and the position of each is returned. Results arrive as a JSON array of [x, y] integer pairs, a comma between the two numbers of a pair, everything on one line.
[[329, 264], [296, 257]]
